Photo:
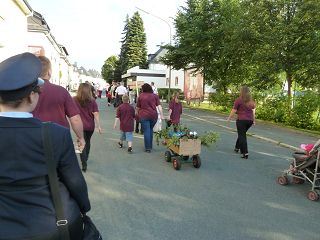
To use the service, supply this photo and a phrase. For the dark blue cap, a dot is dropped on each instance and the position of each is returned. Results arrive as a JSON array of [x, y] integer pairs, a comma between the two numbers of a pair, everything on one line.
[[18, 74]]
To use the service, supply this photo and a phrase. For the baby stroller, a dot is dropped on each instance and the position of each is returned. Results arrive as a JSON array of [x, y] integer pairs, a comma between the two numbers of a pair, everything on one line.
[[305, 167]]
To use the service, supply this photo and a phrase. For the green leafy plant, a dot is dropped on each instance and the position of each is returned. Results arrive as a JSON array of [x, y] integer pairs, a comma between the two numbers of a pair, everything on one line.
[[209, 138], [172, 137]]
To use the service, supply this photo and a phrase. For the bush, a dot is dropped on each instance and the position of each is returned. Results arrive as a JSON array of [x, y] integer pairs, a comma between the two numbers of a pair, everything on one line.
[[303, 111], [273, 108], [163, 93], [225, 101]]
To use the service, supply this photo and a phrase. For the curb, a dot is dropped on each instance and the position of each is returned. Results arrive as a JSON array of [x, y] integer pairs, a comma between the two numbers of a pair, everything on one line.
[[249, 134]]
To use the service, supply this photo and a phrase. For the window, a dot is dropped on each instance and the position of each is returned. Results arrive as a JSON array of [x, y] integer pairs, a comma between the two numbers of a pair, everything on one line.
[[176, 81]]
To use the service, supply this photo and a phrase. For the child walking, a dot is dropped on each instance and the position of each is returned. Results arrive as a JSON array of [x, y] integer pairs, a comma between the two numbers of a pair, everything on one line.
[[126, 115], [175, 110]]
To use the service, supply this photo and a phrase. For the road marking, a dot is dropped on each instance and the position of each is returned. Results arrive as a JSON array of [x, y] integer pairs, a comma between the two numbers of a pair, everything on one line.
[[249, 134]]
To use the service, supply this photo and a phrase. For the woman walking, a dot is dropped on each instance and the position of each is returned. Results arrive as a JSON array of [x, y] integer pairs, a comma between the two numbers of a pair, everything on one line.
[[147, 105], [244, 107], [89, 113]]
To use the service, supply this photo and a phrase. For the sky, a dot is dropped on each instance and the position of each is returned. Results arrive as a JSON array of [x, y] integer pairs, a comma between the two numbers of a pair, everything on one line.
[[91, 30]]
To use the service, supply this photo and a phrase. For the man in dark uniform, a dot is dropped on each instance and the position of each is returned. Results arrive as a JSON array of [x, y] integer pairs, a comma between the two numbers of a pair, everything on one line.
[[27, 211]]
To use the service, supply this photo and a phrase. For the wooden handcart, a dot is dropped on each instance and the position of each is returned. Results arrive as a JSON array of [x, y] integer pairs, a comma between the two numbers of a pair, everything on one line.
[[188, 149]]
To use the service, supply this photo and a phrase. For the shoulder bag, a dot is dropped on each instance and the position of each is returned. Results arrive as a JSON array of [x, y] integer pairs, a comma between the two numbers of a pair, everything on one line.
[[90, 232]]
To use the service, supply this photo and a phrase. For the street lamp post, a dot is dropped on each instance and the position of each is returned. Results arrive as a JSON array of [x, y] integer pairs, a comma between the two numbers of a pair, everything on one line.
[[169, 89]]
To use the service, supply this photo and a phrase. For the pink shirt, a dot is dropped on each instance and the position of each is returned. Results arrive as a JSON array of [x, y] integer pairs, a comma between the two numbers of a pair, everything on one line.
[[147, 104], [55, 103], [176, 111], [244, 111], [126, 114], [86, 114]]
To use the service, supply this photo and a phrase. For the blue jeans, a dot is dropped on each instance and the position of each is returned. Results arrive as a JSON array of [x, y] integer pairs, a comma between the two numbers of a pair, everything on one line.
[[147, 127], [126, 136]]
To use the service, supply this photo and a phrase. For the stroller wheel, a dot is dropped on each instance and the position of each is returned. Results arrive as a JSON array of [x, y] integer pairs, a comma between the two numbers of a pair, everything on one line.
[[313, 196], [297, 180], [283, 180]]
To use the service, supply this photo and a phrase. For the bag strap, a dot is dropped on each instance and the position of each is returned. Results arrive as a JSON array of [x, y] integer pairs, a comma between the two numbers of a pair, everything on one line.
[[62, 222]]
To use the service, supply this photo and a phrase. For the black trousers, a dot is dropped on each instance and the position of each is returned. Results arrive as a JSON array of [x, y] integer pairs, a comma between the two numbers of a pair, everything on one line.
[[85, 152], [242, 128]]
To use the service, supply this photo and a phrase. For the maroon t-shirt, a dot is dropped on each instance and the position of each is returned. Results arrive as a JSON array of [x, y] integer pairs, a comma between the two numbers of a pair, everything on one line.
[[176, 111], [244, 111], [147, 104], [126, 114], [86, 114], [55, 103]]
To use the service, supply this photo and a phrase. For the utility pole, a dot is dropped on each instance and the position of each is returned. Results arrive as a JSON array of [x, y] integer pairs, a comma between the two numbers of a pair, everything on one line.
[[170, 35]]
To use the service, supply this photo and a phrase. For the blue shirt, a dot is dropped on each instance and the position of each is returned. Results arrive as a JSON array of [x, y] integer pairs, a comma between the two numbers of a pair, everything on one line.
[[16, 114]]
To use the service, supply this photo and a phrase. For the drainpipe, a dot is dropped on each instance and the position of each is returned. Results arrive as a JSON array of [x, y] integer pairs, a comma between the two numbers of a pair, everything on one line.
[[24, 7]]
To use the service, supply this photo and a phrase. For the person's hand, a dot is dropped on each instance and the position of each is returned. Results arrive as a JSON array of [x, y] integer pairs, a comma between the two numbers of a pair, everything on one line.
[[100, 129], [114, 126], [254, 122], [81, 144]]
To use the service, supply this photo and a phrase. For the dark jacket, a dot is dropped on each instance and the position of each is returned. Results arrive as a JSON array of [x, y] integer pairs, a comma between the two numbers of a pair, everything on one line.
[[26, 207]]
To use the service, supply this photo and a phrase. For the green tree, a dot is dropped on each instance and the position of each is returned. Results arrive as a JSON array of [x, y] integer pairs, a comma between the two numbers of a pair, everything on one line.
[[286, 34], [136, 43], [133, 45], [122, 65], [208, 38], [109, 68]]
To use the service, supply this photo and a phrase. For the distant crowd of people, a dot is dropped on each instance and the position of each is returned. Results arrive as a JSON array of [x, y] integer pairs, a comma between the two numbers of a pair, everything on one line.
[[27, 99]]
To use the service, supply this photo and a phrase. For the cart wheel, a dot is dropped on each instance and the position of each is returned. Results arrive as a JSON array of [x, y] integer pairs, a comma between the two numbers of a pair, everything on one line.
[[296, 180], [313, 196], [176, 163], [283, 180], [196, 161], [167, 156], [185, 158]]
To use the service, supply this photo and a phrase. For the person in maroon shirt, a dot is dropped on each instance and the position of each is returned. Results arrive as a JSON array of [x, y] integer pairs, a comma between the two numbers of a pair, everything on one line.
[[55, 104], [175, 109], [126, 115], [244, 107], [89, 113], [147, 105]]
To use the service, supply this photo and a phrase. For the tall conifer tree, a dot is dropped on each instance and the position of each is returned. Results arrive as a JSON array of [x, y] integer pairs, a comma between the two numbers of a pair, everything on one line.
[[133, 45]]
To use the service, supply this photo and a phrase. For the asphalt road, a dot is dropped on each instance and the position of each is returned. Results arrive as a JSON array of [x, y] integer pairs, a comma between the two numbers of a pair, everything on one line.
[[140, 196]]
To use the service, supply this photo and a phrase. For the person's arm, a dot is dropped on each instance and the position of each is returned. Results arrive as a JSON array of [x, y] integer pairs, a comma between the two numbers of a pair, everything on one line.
[[77, 127], [254, 116], [159, 107], [115, 122], [170, 111], [96, 116], [233, 111], [118, 114]]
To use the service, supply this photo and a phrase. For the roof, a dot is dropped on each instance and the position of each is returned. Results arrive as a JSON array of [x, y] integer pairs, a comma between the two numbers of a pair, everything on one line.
[[143, 74], [36, 22], [155, 58]]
